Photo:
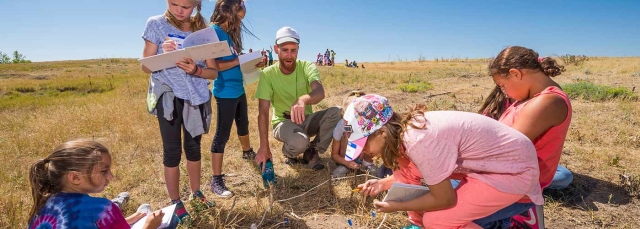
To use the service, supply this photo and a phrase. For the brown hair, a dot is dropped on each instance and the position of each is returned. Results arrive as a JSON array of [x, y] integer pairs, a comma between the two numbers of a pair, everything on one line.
[[395, 129], [494, 105], [226, 11], [197, 21], [46, 175], [523, 58]]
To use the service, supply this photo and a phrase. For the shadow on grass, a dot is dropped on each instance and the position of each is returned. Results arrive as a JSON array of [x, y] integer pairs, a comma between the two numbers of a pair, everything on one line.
[[584, 191]]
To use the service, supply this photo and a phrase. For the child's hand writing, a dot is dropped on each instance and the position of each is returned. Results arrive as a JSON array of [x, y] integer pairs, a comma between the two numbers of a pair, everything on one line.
[[154, 220], [169, 45]]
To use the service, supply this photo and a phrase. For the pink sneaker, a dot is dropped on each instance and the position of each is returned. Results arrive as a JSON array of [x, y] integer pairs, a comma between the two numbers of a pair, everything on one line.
[[531, 219]]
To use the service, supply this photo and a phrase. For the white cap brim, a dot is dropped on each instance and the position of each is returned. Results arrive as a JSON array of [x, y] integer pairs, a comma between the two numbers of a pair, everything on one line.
[[287, 39]]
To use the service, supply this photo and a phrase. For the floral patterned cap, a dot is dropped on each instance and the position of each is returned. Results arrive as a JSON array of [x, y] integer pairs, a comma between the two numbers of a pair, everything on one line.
[[364, 116]]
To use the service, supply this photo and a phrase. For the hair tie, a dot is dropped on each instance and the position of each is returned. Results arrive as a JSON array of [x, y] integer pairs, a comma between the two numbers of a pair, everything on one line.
[[540, 59]]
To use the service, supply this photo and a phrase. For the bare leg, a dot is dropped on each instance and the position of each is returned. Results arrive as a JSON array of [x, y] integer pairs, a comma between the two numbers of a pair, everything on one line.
[[172, 179], [216, 163], [193, 170], [245, 142]]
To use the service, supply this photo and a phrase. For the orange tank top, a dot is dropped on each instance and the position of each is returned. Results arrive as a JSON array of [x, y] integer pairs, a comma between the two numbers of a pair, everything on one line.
[[549, 144]]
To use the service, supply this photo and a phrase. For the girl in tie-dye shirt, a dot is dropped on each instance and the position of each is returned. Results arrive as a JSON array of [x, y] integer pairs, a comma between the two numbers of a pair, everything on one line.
[[60, 185]]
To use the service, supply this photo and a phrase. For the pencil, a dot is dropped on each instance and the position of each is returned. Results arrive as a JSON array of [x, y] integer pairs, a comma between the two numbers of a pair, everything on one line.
[[356, 190]]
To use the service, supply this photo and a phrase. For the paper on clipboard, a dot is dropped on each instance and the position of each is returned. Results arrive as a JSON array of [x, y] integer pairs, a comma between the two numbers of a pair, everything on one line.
[[404, 192], [166, 219], [201, 45], [248, 62]]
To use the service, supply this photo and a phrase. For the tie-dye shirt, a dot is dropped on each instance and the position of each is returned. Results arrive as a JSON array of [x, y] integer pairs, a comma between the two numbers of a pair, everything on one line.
[[76, 210]]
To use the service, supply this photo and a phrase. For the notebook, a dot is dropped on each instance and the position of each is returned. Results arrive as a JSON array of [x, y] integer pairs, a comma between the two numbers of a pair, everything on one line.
[[166, 219], [201, 45], [400, 192]]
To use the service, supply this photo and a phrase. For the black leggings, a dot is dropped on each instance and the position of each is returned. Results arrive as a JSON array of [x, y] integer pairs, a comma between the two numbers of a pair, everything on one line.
[[229, 110], [170, 132]]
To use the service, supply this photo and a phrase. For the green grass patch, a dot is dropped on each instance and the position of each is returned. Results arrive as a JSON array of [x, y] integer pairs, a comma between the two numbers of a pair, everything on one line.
[[48, 92], [415, 87], [598, 93]]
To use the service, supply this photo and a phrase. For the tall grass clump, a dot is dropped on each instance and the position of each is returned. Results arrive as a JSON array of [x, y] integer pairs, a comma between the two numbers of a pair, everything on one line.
[[598, 93]]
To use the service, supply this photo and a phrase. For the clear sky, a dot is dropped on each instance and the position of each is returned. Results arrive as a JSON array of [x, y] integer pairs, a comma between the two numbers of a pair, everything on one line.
[[364, 30]]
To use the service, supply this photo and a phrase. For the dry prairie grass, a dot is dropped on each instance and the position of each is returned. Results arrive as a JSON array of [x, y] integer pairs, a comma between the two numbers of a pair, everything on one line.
[[37, 114]]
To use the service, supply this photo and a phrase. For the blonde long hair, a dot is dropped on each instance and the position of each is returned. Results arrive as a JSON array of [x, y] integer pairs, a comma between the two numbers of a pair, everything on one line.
[[197, 21]]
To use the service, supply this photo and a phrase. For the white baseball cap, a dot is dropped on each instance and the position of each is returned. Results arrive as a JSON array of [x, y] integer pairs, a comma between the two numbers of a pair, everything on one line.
[[287, 34], [364, 116]]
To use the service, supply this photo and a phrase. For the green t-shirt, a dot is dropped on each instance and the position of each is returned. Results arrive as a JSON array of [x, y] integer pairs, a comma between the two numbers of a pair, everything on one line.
[[279, 90]]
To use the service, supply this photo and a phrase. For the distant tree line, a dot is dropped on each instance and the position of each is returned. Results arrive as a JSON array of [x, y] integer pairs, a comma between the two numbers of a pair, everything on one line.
[[17, 58]]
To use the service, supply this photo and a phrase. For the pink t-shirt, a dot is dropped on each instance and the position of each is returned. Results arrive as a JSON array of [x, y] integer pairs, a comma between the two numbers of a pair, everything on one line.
[[476, 146], [549, 144]]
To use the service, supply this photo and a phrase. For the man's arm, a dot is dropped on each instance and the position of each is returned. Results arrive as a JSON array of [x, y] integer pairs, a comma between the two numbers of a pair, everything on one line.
[[264, 152], [315, 96]]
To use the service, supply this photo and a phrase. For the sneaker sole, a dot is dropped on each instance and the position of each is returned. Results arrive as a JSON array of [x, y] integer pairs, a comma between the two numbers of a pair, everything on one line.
[[223, 196]]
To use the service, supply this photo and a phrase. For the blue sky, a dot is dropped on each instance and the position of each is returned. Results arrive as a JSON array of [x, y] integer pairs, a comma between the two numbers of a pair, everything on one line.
[[364, 30]]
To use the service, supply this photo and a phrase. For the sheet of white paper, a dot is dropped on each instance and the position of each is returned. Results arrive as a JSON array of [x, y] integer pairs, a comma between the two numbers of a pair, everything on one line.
[[209, 51], [164, 60], [248, 61], [404, 192], [200, 37], [166, 219]]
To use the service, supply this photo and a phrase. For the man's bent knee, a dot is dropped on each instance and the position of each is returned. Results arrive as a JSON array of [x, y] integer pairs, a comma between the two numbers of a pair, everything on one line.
[[295, 145]]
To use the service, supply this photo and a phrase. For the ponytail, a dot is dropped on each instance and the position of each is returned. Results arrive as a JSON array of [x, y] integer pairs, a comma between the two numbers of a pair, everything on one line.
[[494, 105], [197, 21], [550, 66], [42, 185]]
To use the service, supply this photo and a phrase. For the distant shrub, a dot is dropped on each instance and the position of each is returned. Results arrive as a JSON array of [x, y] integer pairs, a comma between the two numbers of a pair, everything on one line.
[[598, 93], [576, 60]]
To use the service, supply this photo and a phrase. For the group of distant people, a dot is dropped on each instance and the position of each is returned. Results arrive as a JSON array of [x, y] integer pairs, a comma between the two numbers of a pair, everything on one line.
[[481, 169], [352, 64], [328, 59]]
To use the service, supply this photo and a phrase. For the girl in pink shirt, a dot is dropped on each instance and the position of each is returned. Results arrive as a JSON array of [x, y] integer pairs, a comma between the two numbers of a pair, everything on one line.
[[542, 111], [437, 146]]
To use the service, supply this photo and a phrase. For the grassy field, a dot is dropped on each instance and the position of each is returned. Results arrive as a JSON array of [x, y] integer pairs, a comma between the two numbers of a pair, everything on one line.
[[45, 104]]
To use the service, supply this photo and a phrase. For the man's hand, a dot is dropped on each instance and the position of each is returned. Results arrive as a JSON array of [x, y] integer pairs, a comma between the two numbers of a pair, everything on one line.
[[297, 112], [262, 155]]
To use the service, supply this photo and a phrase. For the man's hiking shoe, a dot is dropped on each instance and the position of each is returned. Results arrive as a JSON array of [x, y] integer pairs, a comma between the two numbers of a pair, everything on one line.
[[294, 161], [249, 154], [219, 188], [311, 155]]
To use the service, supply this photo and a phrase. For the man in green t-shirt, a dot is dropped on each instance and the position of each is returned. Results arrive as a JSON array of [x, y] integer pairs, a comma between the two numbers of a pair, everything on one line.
[[290, 87]]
